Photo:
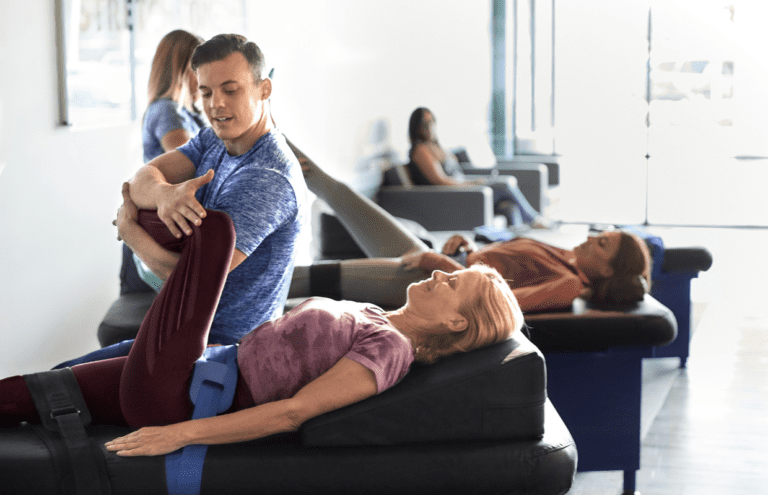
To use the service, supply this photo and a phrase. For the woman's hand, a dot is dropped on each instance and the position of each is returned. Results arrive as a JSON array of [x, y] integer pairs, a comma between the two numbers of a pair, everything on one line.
[[151, 440], [458, 243], [127, 214]]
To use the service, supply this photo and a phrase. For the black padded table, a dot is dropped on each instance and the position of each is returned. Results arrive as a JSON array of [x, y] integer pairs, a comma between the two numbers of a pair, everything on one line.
[[478, 422]]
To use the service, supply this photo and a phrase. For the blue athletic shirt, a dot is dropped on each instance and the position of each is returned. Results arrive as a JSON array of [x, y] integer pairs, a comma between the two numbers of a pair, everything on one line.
[[163, 116], [264, 193]]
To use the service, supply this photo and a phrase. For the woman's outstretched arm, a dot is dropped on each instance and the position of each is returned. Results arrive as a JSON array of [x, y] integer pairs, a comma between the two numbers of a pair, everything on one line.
[[345, 383], [555, 294], [431, 261]]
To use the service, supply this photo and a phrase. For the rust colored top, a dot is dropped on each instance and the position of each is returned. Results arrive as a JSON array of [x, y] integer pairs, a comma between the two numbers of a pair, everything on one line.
[[541, 276]]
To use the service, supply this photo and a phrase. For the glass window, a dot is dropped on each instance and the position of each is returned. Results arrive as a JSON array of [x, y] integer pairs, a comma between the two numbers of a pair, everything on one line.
[[98, 70], [601, 109], [708, 113], [109, 45], [524, 56]]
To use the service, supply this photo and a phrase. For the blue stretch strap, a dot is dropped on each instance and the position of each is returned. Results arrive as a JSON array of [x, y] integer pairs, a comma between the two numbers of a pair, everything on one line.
[[112, 351], [212, 391]]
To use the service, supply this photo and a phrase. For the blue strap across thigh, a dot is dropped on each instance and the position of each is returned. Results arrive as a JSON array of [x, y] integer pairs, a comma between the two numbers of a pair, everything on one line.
[[212, 391]]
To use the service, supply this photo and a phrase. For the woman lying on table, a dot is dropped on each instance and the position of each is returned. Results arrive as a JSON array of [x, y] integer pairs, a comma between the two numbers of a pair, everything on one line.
[[320, 356], [613, 267]]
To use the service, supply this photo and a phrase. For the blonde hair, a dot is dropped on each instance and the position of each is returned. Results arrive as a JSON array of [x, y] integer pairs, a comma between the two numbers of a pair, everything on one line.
[[493, 315]]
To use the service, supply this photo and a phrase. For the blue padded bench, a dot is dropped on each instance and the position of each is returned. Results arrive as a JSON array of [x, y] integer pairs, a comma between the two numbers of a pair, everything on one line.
[[671, 285], [594, 368]]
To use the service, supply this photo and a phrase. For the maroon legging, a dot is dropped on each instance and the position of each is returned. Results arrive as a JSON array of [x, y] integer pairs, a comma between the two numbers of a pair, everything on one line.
[[151, 385]]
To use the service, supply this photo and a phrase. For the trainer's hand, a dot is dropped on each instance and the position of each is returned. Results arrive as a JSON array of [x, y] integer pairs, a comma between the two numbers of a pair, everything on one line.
[[151, 440], [177, 206], [127, 214], [458, 243]]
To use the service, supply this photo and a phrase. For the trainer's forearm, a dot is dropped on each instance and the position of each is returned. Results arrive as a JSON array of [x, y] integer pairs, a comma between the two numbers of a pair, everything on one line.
[[159, 260], [147, 186]]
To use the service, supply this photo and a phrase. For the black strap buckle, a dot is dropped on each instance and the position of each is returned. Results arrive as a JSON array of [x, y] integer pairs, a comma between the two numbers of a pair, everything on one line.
[[65, 411]]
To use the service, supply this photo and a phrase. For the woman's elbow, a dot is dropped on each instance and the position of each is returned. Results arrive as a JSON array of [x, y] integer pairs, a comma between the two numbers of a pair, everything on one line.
[[571, 290], [293, 417]]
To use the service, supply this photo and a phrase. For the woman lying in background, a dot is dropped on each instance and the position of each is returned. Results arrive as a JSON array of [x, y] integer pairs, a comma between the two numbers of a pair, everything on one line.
[[320, 356], [613, 267]]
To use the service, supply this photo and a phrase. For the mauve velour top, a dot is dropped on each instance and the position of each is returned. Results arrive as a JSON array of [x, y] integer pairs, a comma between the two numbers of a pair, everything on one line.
[[280, 356]]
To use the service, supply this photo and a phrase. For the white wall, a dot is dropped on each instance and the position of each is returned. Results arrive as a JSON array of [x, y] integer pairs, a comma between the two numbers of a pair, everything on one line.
[[59, 190], [340, 65]]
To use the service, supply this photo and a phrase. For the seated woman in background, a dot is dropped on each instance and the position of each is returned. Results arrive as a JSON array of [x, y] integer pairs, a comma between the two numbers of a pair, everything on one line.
[[431, 165], [320, 356], [612, 268]]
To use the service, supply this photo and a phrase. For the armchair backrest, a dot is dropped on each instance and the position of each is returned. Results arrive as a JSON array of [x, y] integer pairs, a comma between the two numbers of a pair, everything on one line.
[[397, 175]]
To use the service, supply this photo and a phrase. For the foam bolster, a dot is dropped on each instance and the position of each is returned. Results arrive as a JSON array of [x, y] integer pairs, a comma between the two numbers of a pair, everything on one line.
[[588, 327], [494, 393], [696, 259], [325, 279], [124, 317]]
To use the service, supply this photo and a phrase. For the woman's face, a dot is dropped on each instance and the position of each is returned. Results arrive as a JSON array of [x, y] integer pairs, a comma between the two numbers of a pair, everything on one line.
[[427, 128], [594, 256], [439, 298]]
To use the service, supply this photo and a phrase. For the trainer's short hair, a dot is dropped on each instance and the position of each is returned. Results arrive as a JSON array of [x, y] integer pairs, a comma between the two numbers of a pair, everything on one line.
[[223, 45]]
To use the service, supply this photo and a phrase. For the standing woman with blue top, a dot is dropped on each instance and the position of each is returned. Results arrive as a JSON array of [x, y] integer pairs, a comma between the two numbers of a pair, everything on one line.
[[171, 119]]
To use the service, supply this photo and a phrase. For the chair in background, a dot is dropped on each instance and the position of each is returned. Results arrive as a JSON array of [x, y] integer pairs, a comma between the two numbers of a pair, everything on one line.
[[538, 177], [436, 208], [380, 176]]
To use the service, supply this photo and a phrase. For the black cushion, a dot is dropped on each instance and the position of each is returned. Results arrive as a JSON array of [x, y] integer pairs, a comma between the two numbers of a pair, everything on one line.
[[688, 259], [124, 317], [494, 393], [333, 240], [397, 175], [589, 327]]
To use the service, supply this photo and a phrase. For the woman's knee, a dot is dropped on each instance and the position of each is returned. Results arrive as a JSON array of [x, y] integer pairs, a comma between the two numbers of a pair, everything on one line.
[[218, 224]]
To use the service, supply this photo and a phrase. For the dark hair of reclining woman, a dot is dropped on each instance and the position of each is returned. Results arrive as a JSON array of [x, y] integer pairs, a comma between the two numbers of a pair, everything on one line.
[[611, 268], [320, 356]]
